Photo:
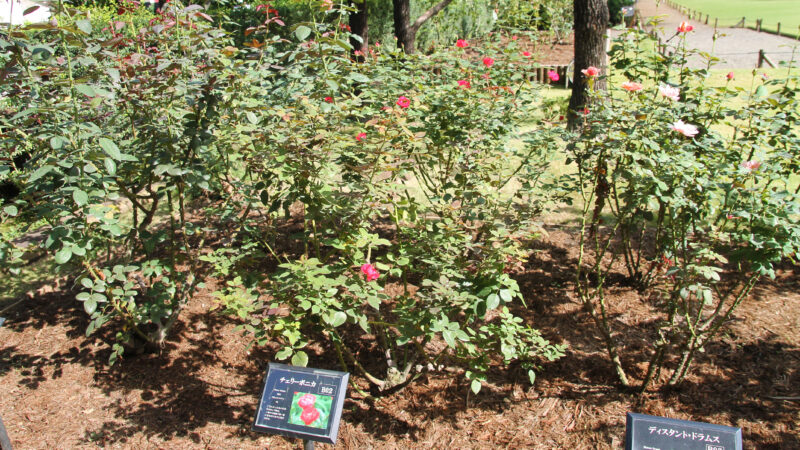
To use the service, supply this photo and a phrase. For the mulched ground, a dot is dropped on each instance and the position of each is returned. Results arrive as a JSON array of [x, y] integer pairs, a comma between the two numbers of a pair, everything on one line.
[[56, 390]]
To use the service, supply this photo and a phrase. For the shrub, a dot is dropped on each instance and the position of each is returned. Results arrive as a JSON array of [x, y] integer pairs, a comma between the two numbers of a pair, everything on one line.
[[410, 205], [696, 215], [120, 125], [408, 202]]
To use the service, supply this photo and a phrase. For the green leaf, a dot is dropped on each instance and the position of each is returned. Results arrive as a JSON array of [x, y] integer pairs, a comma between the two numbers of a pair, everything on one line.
[[56, 142], [339, 318], [449, 337], [475, 386], [302, 32], [251, 117], [332, 84], [300, 359], [40, 172], [84, 25], [375, 302], [283, 354], [80, 197], [111, 166], [492, 301], [86, 90], [761, 91], [11, 210], [90, 306], [360, 78], [110, 148], [63, 255], [82, 296], [532, 376]]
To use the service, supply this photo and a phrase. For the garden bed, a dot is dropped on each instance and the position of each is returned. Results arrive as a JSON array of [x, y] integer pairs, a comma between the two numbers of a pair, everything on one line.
[[201, 391]]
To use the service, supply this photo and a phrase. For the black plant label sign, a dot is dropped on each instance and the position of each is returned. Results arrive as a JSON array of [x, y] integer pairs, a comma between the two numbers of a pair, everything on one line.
[[301, 402], [645, 432]]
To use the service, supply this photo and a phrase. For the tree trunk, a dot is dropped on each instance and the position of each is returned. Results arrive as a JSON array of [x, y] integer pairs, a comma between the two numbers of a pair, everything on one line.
[[591, 22], [402, 25], [360, 27], [404, 30]]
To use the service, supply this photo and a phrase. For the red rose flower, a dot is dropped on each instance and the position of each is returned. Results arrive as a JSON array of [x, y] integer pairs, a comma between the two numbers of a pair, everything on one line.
[[403, 102]]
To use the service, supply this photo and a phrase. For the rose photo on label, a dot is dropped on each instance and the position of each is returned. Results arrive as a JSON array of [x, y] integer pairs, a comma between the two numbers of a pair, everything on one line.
[[310, 410]]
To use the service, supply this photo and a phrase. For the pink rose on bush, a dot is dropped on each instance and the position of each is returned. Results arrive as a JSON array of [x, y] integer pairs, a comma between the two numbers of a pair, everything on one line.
[[370, 272], [631, 86], [403, 102], [464, 83], [361, 136], [729, 76], [685, 129], [526, 54], [461, 43], [488, 62], [553, 75], [591, 71], [684, 27], [669, 92], [329, 99], [750, 165]]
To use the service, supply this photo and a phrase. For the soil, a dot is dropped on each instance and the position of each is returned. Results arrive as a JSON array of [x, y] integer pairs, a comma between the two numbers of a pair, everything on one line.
[[201, 390]]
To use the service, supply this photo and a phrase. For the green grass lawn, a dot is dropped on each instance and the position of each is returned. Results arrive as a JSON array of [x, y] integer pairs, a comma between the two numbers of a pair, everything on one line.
[[730, 12]]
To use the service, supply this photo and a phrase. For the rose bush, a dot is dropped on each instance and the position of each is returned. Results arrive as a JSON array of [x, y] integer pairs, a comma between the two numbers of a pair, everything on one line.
[[687, 192], [403, 234]]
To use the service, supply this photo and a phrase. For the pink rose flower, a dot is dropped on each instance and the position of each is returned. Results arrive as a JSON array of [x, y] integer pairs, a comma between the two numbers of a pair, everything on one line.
[[685, 129], [729, 76], [553, 75], [461, 43], [526, 54], [361, 136], [631, 86], [591, 71], [370, 272], [488, 62], [464, 83], [750, 165], [669, 92], [403, 102], [684, 27], [514, 37], [329, 99]]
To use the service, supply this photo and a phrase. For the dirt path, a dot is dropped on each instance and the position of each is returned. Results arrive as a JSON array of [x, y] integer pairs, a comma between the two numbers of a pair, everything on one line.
[[737, 47]]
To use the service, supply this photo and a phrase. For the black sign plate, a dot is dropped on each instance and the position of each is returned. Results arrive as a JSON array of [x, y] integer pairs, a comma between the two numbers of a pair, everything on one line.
[[301, 402], [645, 432]]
